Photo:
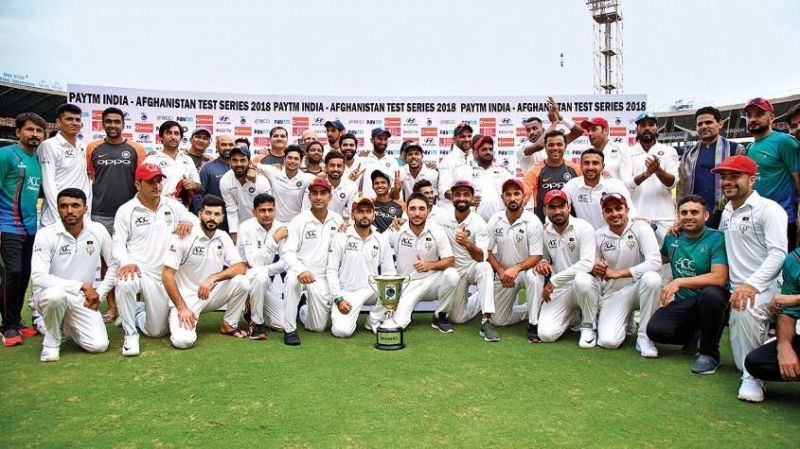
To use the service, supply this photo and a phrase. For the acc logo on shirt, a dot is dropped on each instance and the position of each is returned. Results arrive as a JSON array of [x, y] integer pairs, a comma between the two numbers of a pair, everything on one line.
[[141, 221], [64, 249], [311, 234], [352, 246], [609, 246], [405, 241], [198, 251], [552, 243]]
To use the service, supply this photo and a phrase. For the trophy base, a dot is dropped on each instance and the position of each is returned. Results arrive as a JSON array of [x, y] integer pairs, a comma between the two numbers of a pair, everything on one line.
[[389, 339]]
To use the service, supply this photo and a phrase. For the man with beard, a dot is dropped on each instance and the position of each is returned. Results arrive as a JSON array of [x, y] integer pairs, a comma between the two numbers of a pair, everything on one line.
[[260, 239], [776, 156], [65, 257], [355, 254], [278, 138], [63, 162], [203, 273], [386, 209], [793, 118], [178, 168], [629, 261], [288, 183], [306, 254], [20, 185], [755, 242], [550, 174], [697, 162], [586, 190], [239, 187], [313, 158], [455, 164], [695, 302], [344, 190], [425, 187], [348, 145], [487, 179], [213, 171], [530, 151], [597, 129], [515, 247], [200, 140], [378, 159], [334, 129], [143, 227], [414, 170], [650, 171]]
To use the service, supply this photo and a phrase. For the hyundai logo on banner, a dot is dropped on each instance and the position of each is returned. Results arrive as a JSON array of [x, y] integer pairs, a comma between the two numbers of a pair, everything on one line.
[[319, 120], [143, 117], [243, 120]]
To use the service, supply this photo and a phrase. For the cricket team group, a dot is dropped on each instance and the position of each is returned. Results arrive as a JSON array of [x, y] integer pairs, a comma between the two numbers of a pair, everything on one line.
[[290, 236]]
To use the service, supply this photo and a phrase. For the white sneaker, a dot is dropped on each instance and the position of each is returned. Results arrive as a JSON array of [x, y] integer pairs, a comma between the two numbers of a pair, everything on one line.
[[50, 354], [130, 347], [752, 390], [646, 347], [588, 338]]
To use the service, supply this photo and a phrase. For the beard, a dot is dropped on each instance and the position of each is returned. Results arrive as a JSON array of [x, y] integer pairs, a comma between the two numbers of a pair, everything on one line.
[[209, 225], [646, 137]]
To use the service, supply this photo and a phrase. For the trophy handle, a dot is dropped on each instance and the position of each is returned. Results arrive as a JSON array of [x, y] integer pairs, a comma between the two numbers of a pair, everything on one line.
[[406, 281]]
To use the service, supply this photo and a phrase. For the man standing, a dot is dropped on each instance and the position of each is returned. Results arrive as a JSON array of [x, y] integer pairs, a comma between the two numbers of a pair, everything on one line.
[[212, 172], [202, 273], [379, 160], [597, 129], [793, 118], [354, 255], [775, 155], [455, 163], [487, 179], [306, 253], [697, 162], [530, 151], [344, 190], [278, 138], [239, 187], [695, 302], [386, 209], [414, 170], [200, 140], [551, 174], [426, 188], [20, 184], [348, 145], [63, 162], [288, 183], [334, 130], [313, 158], [178, 168], [65, 257]]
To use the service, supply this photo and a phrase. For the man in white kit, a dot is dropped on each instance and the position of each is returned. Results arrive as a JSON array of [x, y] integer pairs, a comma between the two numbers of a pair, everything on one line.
[[597, 129], [354, 255], [178, 168], [289, 184], [415, 170], [197, 280], [66, 255], [487, 179], [142, 230], [344, 190], [239, 186]]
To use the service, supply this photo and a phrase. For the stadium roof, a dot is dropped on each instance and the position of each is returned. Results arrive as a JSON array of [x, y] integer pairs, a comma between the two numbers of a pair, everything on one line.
[[16, 99]]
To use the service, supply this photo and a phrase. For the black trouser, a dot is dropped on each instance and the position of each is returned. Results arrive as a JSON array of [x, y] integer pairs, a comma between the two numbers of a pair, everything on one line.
[[762, 363], [16, 251], [791, 235], [675, 323]]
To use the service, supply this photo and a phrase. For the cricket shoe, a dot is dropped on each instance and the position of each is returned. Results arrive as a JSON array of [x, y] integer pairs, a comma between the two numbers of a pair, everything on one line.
[[752, 390], [646, 347], [291, 339], [705, 364], [441, 323], [488, 332], [533, 333], [130, 346], [50, 354], [588, 337], [11, 337]]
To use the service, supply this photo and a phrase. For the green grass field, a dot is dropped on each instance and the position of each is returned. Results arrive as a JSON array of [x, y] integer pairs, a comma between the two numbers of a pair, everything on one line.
[[441, 391]]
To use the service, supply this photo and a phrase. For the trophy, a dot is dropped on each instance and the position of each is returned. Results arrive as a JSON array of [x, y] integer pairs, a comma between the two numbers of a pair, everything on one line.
[[388, 288]]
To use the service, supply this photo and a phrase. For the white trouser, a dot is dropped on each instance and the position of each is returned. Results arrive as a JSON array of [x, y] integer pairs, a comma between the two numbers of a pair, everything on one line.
[[462, 309], [265, 306], [231, 293], [84, 325], [437, 285], [344, 325], [317, 299], [616, 307], [749, 328], [507, 312], [577, 301], [152, 319]]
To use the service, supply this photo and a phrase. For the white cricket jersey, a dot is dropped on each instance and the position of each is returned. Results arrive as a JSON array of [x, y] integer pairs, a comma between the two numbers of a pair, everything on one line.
[[174, 170], [755, 241], [488, 184], [409, 180], [512, 243], [653, 199], [63, 166], [387, 164], [342, 198], [288, 192], [141, 236], [585, 200], [352, 168], [431, 245], [636, 249], [612, 157], [477, 231], [570, 252], [453, 167], [197, 257], [526, 162], [258, 247], [239, 197], [352, 259], [61, 260], [306, 247]]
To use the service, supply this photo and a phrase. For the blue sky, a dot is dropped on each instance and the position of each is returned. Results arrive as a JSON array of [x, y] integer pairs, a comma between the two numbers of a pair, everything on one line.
[[717, 52]]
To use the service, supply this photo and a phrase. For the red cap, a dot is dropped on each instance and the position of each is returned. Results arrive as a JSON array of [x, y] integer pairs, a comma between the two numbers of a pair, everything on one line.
[[462, 183], [759, 103], [321, 182], [738, 164], [485, 139], [362, 200], [512, 182], [609, 197], [597, 121], [554, 195], [146, 172]]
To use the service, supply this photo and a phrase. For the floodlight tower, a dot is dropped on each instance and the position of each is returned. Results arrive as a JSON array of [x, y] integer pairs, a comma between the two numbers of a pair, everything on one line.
[[607, 45]]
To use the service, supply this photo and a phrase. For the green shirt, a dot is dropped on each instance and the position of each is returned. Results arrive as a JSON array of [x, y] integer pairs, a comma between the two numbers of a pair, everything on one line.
[[20, 183], [690, 257], [791, 281], [776, 158]]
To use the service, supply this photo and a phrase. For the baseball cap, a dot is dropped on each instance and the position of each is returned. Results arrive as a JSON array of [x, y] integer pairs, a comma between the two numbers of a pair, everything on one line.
[[512, 182], [642, 117], [410, 145], [379, 174], [335, 124], [320, 182], [759, 103], [378, 131], [243, 150], [555, 195], [146, 172], [738, 164], [610, 197], [462, 183], [201, 131], [461, 127], [484, 139], [596, 121], [362, 200]]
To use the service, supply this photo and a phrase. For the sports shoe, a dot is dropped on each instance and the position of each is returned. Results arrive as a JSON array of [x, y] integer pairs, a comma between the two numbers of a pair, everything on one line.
[[533, 333], [705, 364], [50, 354], [488, 332], [291, 339], [646, 347], [28, 332], [752, 390], [11, 337], [588, 337], [441, 323], [258, 332], [130, 346]]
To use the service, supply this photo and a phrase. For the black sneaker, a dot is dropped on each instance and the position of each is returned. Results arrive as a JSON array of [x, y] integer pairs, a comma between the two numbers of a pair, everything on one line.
[[441, 323], [533, 333], [291, 339], [258, 332]]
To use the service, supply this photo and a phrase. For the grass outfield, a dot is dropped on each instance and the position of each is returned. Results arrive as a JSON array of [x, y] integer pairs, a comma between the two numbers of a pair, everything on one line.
[[441, 391]]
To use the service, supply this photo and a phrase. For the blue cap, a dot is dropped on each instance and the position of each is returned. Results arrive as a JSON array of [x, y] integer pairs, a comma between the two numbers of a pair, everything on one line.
[[243, 150], [645, 116], [379, 131], [335, 124]]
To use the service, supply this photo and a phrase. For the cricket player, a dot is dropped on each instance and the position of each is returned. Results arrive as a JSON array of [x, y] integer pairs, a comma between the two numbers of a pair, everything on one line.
[[306, 253], [344, 190], [289, 184], [355, 254], [66, 255], [202, 273], [177, 166], [239, 186], [426, 188], [415, 170], [142, 230]]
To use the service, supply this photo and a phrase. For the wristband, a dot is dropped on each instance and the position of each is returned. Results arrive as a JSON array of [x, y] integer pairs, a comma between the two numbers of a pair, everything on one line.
[[337, 300]]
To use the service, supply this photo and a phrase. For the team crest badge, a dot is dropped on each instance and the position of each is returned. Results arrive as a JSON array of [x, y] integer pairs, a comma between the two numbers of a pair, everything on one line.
[[571, 244], [745, 224], [428, 246], [168, 217], [631, 242], [219, 250], [89, 247]]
